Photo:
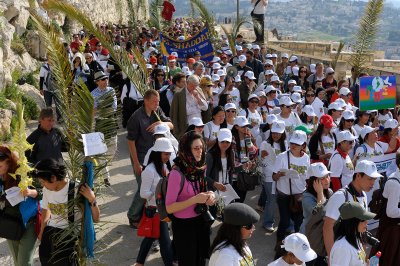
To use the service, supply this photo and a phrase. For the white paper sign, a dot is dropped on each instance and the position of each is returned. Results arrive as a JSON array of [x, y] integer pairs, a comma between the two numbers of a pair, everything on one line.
[[14, 196], [94, 144], [228, 195], [290, 173]]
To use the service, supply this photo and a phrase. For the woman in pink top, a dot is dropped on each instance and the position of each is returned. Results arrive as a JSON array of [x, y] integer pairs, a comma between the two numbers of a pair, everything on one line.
[[189, 204]]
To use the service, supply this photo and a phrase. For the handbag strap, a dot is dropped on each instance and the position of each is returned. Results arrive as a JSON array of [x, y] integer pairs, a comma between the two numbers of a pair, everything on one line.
[[321, 146], [258, 1], [290, 180]]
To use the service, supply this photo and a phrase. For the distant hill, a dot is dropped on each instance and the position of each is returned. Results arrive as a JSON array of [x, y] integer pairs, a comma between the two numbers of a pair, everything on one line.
[[313, 19]]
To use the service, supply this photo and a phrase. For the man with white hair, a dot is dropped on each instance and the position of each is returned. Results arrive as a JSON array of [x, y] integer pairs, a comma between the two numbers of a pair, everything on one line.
[[185, 105]]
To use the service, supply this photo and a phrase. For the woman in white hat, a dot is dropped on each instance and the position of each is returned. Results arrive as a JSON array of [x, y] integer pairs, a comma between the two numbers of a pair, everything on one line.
[[275, 144], [196, 124], [158, 167], [297, 251], [252, 115], [211, 128], [230, 115], [309, 118], [390, 133]]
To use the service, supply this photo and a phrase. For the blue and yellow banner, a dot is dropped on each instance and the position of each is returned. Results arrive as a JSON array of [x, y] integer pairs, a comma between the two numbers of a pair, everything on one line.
[[200, 42]]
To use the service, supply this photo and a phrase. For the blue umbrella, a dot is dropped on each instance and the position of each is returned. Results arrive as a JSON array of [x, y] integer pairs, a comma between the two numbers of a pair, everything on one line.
[[89, 234]]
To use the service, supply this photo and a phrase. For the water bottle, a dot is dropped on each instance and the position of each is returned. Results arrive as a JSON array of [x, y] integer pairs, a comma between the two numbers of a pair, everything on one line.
[[374, 261], [247, 141]]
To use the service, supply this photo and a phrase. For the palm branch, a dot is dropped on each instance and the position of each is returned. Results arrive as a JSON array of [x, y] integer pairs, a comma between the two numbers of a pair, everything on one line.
[[366, 35], [207, 17], [337, 55], [235, 31], [155, 16]]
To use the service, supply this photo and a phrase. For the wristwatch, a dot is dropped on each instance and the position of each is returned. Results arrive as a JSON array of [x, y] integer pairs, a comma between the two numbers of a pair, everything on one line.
[[93, 204]]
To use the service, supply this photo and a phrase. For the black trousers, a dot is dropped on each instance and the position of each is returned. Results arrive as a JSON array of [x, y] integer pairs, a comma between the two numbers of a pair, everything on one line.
[[191, 240], [258, 22]]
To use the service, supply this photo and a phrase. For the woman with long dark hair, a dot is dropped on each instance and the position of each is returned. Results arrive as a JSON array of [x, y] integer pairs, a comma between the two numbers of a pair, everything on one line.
[[22, 250], [191, 221], [348, 248], [158, 167], [322, 144], [158, 79], [229, 246], [212, 128], [303, 75]]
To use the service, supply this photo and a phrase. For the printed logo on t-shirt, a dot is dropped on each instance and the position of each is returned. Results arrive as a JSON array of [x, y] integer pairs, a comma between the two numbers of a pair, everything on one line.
[[349, 165], [301, 169], [247, 261], [328, 145], [289, 129], [59, 209]]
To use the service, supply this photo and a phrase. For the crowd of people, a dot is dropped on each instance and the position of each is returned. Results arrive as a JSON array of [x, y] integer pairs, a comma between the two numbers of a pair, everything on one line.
[[293, 129]]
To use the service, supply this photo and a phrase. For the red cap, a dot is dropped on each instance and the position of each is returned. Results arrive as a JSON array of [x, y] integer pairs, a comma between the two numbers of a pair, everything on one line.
[[191, 60], [327, 121], [171, 57], [104, 52], [153, 60]]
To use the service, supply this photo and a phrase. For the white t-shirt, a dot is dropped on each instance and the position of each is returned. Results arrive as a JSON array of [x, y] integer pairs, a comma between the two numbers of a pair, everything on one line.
[[43, 74], [211, 130], [223, 175], [364, 151], [228, 256], [392, 193], [268, 161], [383, 118], [328, 143], [338, 198], [300, 164], [281, 262], [260, 8], [341, 167], [253, 118], [133, 93], [235, 93], [318, 106], [344, 254], [57, 203], [290, 123], [358, 129]]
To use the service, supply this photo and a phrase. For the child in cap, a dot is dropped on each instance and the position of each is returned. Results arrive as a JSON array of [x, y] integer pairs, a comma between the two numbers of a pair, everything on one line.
[[297, 251], [229, 246]]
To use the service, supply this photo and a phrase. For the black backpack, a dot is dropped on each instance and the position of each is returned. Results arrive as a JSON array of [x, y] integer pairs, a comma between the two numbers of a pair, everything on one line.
[[129, 105], [378, 202]]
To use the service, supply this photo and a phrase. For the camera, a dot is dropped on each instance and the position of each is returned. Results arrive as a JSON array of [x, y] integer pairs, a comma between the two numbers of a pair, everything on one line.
[[205, 213], [371, 240]]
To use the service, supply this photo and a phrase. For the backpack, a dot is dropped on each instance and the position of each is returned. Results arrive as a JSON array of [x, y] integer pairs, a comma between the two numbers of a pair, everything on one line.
[[161, 193], [378, 202], [49, 81], [129, 105]]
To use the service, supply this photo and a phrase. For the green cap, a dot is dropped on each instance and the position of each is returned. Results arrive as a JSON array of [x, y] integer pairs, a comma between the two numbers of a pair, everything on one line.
[[304, 129], [353, 209]]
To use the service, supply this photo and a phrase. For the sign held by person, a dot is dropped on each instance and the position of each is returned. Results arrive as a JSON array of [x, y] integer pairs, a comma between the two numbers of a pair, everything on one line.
[[377, 92]]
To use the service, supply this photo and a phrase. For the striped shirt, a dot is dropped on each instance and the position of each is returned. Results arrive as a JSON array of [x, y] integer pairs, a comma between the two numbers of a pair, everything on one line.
[[97, 93]]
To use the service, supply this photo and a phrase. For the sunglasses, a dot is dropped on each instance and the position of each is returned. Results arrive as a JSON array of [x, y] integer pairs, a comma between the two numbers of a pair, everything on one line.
[[231, 111], [209, 85], [248, 227], [246, 126], [254, 102], [349, 120], [303, 71], [103, 79], [310, 95]]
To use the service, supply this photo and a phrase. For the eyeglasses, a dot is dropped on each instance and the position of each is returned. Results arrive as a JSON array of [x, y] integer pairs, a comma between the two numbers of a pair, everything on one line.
[[303, 71], [231, 111], [310, 95], [253, 101], [248, 227], [198, 148]]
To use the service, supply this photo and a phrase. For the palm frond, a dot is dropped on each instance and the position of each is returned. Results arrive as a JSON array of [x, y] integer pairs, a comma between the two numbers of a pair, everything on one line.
[[231, 35], [208, 17], [337, 55], [155, 16], [138, 76], [366, 36]]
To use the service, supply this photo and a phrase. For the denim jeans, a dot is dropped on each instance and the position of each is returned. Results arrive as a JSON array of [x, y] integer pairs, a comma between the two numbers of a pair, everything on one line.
[[136, 209], [262, 198], [285, 216], [22, 250], [270, 203], [165, 246]]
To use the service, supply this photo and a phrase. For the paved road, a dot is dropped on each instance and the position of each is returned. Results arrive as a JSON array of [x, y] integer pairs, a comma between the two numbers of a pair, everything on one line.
[[118, 244]]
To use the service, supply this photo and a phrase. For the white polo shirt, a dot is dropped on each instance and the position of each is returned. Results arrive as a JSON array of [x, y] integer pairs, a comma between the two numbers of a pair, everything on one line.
[[343, 253]]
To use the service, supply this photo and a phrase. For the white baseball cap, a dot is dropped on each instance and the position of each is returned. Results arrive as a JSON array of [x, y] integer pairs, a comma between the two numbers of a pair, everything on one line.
[[149, 66], [344, 91], [298, 137], [215, 59], [248, 46], [297, 89], [261, 94], [318, 170], [293, 58], [268, 56], [391, 123], [368, 168], [269, 88], [329, 70], [285, 100], [163, 145], [274, 56], [269, 72], [275, 78], [250, 75], [181, 38], [335, 106], [309, 110], [224, 134], [268, 62], [300, 247], [366, 130], [295, 70], [196, 121], [312, 68], [255, 46], [345, 135], [242, 58], [285, 55], [238, 48], [229, 106], [348, 115], [186, 71], [221, 72], [161, 129], [216, 66], [372, 111], [278, 127], [292, 81], [271, 119], [296, 97], [228, 52], [252, 96], [215, 77], [238, 78], [174, 54], [241, 121]]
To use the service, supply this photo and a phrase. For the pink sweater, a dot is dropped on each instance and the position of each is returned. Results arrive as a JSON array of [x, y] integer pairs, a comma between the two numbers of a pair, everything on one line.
[[174, 181]]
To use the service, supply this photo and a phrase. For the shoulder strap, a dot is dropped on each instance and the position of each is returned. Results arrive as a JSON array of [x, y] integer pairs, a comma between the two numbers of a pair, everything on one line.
[[364, 147], [290, 180], [247, 112], [321, 146], [209, 129], [182, 183], [46, 67], [128, 87], [393, 178], [258, 1], [71, 196]]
